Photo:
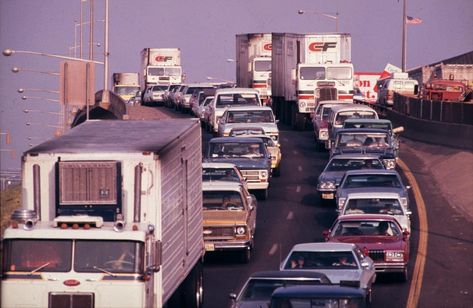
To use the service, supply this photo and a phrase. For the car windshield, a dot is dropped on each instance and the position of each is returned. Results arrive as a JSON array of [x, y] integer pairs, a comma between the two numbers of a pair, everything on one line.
[[251, 116], [222, 200], [371, 180], [339, 164], [378, 140], [373, 206], [315, 301], [226, 100], [366, 228], [261, 289], [220, 174], [321, 260], [237, 149], [159, 88]]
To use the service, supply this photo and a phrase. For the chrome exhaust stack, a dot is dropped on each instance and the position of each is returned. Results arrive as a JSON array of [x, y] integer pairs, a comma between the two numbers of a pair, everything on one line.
[[28, 218]]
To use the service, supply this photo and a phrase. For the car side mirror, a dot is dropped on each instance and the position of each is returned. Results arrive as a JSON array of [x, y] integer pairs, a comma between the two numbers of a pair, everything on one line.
[[232, 296], [365, 264], [408, 187], [326, 233], [405, 235], [408, 212], [398, 130], [277, 121]]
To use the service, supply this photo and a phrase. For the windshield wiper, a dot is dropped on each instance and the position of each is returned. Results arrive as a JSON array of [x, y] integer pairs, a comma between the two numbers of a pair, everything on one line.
[[39, 268], [104, 271]]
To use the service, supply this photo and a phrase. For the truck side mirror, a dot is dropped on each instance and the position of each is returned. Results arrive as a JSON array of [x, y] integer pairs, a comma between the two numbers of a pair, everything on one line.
[[398, 130], [416, 89]]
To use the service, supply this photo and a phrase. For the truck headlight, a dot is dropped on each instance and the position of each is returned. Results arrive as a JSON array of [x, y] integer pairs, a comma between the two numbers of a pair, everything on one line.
[[240, 230], [326, 185], [323, 133], [302, 104], [394, 255]]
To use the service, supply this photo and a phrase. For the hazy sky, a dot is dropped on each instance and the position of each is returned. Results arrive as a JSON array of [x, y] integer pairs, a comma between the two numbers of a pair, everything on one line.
[[204, 30]]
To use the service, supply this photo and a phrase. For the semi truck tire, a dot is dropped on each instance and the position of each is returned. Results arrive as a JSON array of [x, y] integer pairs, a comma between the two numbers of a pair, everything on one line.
[[190, 292]]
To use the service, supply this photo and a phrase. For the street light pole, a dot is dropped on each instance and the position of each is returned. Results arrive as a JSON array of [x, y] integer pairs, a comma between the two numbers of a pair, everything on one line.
[[8, 52], [17, 70], [21, 90], [105, 94], [404, 35]]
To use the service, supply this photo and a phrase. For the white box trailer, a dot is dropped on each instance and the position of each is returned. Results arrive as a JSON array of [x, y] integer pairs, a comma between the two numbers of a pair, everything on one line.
[[253, 62], [160, 66], [126, 85], [307, 68], [112, 218]]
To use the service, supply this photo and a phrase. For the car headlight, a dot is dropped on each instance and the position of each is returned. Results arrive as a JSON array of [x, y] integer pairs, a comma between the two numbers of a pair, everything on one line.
[[323, 133], [326, 185], [390, 163], [394, 255], [275, 138], [341, 202], [240, 230], [264, 174]]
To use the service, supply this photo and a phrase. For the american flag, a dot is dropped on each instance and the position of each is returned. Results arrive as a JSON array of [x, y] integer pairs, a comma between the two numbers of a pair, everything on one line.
[[413, 20]]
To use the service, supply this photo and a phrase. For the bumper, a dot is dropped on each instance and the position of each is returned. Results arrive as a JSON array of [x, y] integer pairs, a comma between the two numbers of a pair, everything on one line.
[[227, 245], [257, 185], [390, 267]]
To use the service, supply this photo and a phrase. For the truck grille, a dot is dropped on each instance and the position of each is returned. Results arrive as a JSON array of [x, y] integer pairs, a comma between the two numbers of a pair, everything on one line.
[[218, 232], [376, 255], [71, 300], [328, 94], [251, 175]]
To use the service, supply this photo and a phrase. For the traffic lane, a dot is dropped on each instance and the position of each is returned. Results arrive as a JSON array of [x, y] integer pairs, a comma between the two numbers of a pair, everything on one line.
[[448, 272], [286, 218]]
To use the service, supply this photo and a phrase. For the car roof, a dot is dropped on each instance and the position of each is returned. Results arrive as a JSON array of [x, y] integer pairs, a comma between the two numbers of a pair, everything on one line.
[[318, 291], [235, 139], [289, 274], [323, 246], [355, 156], [364, 120], [235, 90], [374, 217], [372, 171], [217, 165], [373, 194], [248, 107], [361, 130], [352, 107], [334, 102], [221, 186]]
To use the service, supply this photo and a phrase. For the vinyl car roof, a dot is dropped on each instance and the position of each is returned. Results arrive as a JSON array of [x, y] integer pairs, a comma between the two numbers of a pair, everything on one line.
[[318, 291]]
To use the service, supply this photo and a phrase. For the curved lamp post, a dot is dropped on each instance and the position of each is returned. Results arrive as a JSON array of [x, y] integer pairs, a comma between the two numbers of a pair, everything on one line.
[[335, 16], [9, 52], [22, 90], [16, 69]]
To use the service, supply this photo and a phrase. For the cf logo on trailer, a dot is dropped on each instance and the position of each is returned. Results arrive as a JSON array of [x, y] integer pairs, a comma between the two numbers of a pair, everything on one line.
[[268, 46], [163, 58], [322, 46]]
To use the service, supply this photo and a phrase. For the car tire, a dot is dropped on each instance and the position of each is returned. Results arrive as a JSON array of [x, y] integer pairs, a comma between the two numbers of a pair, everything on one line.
[[405, 275]]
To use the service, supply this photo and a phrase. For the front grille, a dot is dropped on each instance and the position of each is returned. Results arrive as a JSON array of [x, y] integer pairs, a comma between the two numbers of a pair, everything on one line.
[[218, 232], [377, 255], [71, 300], [251, 175]]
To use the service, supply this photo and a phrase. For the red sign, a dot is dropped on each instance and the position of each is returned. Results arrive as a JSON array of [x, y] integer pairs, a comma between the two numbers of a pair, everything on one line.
[[268, 46], [163, 58], [321, 46]]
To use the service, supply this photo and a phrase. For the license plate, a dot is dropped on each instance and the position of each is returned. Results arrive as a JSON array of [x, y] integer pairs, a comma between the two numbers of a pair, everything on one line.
[[327, 195], [209, 247]]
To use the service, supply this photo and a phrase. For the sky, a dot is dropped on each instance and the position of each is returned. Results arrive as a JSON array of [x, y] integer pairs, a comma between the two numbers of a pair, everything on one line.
[[205, 31]]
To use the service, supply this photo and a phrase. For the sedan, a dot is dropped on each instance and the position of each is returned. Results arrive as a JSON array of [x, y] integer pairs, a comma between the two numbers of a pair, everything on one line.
[[335, 169], [339, 261], [379, 236], [257, 290]]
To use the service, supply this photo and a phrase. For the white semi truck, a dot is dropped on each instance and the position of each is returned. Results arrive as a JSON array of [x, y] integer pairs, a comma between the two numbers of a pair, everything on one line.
[[160, 66], [253, 63], [126, 85], [112, 217], [307, 68]]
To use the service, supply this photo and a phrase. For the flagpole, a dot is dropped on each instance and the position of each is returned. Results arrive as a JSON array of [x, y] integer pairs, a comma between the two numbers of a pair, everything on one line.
[[404, 36]]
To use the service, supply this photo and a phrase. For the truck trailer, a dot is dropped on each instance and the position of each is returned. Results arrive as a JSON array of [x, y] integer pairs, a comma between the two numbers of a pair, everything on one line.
[[160, 66], [307, 68], [126, 85], [253, 63], [111, 217]]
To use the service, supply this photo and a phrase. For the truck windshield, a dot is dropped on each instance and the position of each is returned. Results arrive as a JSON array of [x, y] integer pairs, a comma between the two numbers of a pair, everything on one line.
[[339, 73], [312, 73], [108, 256], [37, 255], [164, 71], [263, 65], [126, 90]]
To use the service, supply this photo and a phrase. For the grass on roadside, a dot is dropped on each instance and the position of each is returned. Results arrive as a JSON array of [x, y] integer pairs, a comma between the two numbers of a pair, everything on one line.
[[10, 199]]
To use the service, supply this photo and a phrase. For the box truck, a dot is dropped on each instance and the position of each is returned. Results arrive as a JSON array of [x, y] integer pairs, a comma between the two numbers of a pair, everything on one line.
[[126, 85], [160, 66], [112, 217], [307, 68], [253, 63]]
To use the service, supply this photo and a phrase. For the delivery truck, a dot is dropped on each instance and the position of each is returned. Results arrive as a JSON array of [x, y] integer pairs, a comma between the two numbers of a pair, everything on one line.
[[253, 63], [111, 217], [307, 68], [126, 85], [160, 66]]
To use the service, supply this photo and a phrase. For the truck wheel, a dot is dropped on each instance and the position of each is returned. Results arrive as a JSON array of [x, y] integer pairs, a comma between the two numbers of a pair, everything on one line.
[[193, 288]]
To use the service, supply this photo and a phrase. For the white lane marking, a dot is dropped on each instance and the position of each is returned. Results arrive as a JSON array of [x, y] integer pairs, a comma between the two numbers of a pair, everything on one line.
[[299, 168], [290, 216], [295, 152], [298, 189], [273, 249]]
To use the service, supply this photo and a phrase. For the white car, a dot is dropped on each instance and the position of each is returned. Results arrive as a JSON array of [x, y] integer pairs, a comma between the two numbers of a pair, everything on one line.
[[339, 261], [229, 97], [373, 202], [154, 94]]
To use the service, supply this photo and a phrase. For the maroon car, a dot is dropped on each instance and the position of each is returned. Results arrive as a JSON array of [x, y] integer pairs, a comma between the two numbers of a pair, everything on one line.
[[379, 236]]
